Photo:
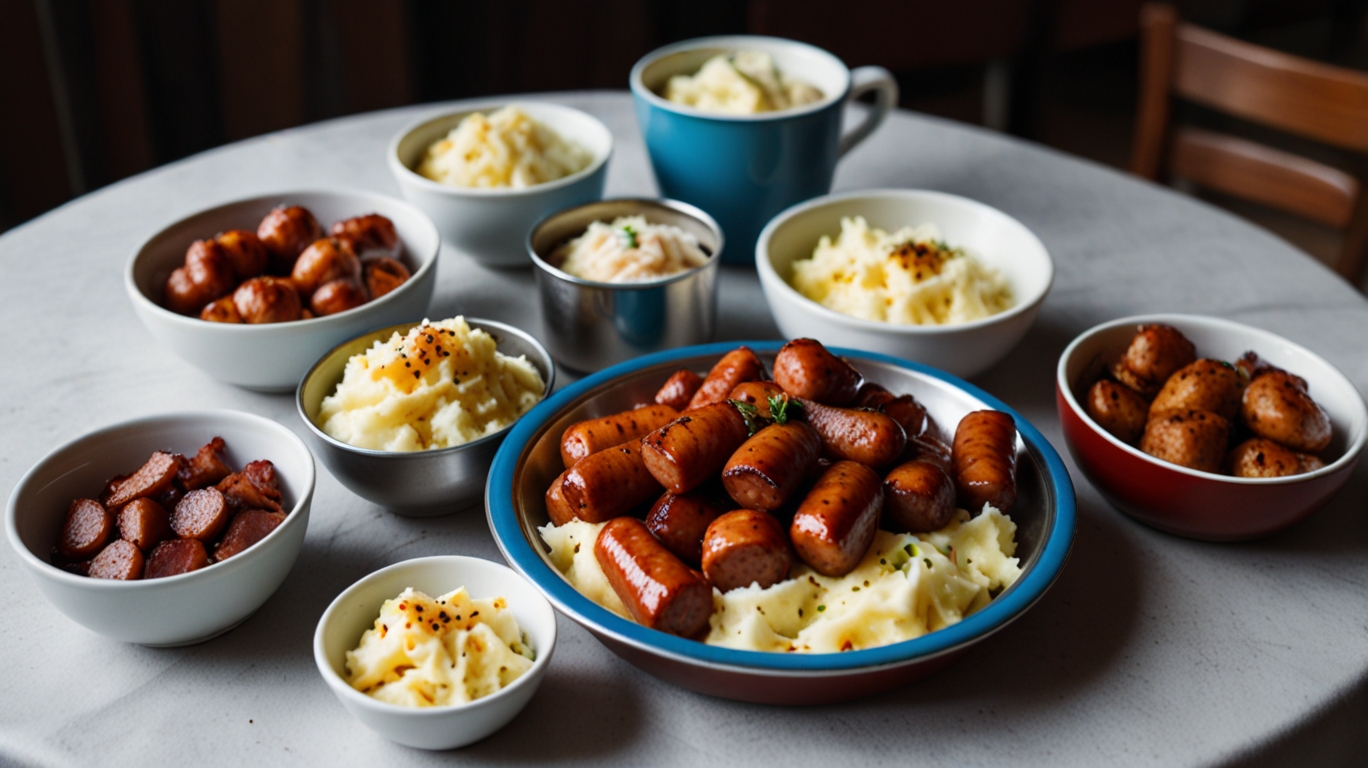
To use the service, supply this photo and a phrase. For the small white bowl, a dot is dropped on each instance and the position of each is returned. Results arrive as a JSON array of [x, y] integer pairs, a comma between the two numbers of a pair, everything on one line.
[[176, 610], [491, 225], [355, 610], [273, 357], [997, 240]]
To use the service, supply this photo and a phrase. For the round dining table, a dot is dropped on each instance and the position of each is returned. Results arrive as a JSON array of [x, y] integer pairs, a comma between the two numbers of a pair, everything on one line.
[[1149, 650]]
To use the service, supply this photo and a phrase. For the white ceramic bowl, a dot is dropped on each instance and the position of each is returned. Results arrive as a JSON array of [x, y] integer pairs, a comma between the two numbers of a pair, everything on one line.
[[491, 225], [176, 610], [994, 238], [273, 357], [355, 610]]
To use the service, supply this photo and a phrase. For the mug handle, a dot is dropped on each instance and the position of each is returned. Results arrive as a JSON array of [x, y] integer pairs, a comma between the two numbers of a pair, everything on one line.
[[862, 81]]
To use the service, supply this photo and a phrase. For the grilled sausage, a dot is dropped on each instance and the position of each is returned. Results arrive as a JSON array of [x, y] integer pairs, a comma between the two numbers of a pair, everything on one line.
[[382, 275], [738, 365], [593, 435], [263, 475], [918, 497], [679, 389], [835, 525], [118, 560], [1117, 409], [1193, 438], [371, 233], [694, 447], [221, 310], [904, 409], [183, 296], [746, 547], [806, 369], [144, 522], [209, 267], [286, 232], [930, 448], [984, 455], [201, 515], [1261, 457], [247, 490], [609, 483], [1209, 385], [765, 471], [1277, 406], [246, 529], [172, 558], [322, 262], [758, 394], [868, 437], [245, 252], [679, 520], [337, 296], [659, 590], [267, 300], [85, 531], [1155, 352], [152, 479], [558, 510], [206, 467]]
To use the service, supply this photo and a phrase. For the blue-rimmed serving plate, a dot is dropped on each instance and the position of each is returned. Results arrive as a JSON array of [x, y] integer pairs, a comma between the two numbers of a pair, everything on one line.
[[530, 459]]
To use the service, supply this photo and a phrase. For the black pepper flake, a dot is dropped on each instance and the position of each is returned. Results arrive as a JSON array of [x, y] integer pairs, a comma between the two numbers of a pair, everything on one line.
[[418, 608], [435, 626], [473, 614], [415, 374], [443, 616], [407, 364]]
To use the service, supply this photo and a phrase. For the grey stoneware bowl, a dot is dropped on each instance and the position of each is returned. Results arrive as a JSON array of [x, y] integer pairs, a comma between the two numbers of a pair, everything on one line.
[[417, 483], [589, 325]]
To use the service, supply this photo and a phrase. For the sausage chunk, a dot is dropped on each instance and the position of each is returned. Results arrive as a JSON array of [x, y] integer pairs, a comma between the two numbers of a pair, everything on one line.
[[745, 547], [151, 480], [694, 447], [680, 521], [207, 467], [679, 389], [172, 558], [765, 471], [609, 483], [1155, 352], [245, 252], [85, 531], [183, 296], [1117, 409], [659, 590], [868, 437], [337, 296], [904, 409], [221, 310], [1261, 457], [740, 364], [1277, 406], [919, 497], [267, 300], [835, 525], [201, 515], [210, 268], [984, 455], [1193, 438], [1209, 385], [246, 529], [371, 233], [286, 232], [144, 522], [382, 274], [593, 435], [757, 394], [322, 262], [558, 510], [250, 490], [806, 369], [118, 560]]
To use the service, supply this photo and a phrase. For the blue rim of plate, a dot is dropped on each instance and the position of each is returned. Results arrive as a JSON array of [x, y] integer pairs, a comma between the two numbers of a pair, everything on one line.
[[519, 553]]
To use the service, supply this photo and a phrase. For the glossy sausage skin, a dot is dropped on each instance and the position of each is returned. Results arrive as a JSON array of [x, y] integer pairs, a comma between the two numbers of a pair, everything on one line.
[[250, 490], [836, 523], [558, 510], [765, 471], [371, 233], [868, 437], [207, 467], [679, 389], [588, 437], [246, 529], [904, 409], [245, 251], [324, 261], [694, 447], [221, 310], [144, 522], [738, 365], [286, 232], [931, 449], [119, 560], [1211, 385], [210, 268], [152, 479], [984, 455], [172, 558], [659, 590], [201, 515], [267, 300], [1277, 406], [609, 483], [382, 274], [746, 547], [918, 497], [1261, 457], [1192, 438], [680, 521], [1117, 409], [337, 296], [758, 394], [806, 369], [1155, 352], [85, 531]]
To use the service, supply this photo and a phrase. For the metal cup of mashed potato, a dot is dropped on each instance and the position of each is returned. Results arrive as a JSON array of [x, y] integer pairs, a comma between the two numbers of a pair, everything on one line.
[[589, 325]]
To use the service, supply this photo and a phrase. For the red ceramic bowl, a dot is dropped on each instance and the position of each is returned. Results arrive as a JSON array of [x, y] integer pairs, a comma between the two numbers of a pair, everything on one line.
[[1188, 502]]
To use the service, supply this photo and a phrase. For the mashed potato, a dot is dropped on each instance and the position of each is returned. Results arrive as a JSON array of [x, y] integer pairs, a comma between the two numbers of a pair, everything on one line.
[[908, 277], [744, 83], [906, 586], [425, 652], [507, 148], [442, 384], [629, 250]]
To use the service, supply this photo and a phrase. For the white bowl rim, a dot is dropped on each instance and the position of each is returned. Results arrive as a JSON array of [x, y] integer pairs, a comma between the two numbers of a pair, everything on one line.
[[144, 301], [400, 170], [303, 498], [1358, 422], [341, 687], [769, 275]]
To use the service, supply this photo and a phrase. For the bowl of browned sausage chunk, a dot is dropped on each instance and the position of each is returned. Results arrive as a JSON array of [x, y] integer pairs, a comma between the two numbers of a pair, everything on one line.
[[1207, 428], [782, 523], [165, 530]]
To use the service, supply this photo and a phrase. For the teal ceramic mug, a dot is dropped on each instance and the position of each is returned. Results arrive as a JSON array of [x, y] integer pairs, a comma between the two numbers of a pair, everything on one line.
[[744, 169]]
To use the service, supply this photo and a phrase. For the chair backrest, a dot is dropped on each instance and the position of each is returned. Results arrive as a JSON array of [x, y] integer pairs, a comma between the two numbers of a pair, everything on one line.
[[1306, 98]]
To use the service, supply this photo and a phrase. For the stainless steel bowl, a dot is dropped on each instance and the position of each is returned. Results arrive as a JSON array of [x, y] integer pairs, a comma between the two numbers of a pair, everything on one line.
[[589, 325], [417, 483]]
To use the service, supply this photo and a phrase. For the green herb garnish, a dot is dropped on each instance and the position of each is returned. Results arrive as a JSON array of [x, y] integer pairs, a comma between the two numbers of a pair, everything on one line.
[[779, 406], [631, 235], [821, 608], [751, 414]]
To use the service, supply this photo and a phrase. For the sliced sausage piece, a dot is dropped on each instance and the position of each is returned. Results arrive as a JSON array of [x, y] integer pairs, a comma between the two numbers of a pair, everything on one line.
[[152, 479], [984, 455], [111, 488], [207, 467], [593, 435], [1210, 385], [659, 590], [118, 560], [694, 447], [609, 483], [382, 275], [806, 369], [738, 365], [85, 531], [758, 394], [919, 497], [868, 437], [263, 475], [679, 521], [835, 525], [144, 522], [766, 470], [1117, 409], [246, 529], [1277, 406], [1261, 457], [679, 389], [172, 558], [201, 515], [746, 547], [242, 493], [1155, 352], [557, 508], [1193, 438]]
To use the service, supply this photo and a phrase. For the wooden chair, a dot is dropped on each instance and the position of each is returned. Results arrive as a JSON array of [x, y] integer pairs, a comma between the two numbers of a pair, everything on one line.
[[1321, 102]]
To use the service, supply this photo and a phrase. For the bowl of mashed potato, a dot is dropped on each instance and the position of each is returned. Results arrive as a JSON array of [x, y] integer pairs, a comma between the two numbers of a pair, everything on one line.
[[486, 175], [409, 416], [923, 275]]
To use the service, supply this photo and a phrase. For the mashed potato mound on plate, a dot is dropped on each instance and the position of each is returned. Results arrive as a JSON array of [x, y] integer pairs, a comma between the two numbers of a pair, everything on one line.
[[442, 384]]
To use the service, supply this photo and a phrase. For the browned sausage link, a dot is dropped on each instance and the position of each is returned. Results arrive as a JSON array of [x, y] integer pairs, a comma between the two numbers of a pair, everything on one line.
[[835, 525], [337, 296], [932, 450], [806, 369], [758, 394], [324, 261], [1192, 438], [268, 300], [746, 547], [118, 560], [144, 522], [182, 296], [1211, 385], [868, 437], [609, 483], [588, 437], [86, 530], [263, 475], [286, 232], [201, 515], [152, 479], [694, 447], [918, 497], [1155, 352], [679, 389], [658, 589], [904, 409], [871, 395], [765, 471], [382, 275], [221, 310], [738, 365], [1276, 406], [984, 455], [679, 521], [558, 510], [245, 251], [242, 492], [172, 558], [206, 467], [1261, 457], [1118, 410], [210, 268], [246, 529], [369, 233]]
